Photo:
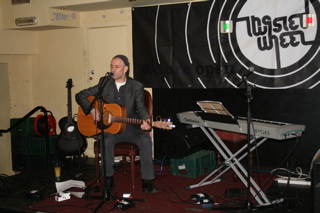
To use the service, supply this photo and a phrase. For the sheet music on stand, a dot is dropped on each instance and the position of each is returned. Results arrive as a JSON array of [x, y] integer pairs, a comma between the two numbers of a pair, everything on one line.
[[215, 111]]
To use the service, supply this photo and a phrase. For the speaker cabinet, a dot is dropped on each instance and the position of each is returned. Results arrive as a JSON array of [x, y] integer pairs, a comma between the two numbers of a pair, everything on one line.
[[315, 185], [183, 142]]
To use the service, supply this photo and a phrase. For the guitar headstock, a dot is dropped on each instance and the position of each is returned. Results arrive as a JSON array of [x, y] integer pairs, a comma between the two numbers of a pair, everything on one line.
[[163, 124], [69, 83]]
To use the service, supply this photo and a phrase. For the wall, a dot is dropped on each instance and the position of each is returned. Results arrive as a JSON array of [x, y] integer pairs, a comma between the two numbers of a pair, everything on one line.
[[5, 116], [41, 62], [20, 82], [60, 58], [63, 55], [16, 51]]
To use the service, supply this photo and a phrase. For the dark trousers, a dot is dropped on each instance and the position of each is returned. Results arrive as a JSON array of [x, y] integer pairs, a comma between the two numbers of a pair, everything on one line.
[[130, 134]]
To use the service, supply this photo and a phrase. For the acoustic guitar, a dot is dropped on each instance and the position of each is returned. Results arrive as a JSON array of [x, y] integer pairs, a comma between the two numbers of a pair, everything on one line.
[[70, 141], [114, 120]]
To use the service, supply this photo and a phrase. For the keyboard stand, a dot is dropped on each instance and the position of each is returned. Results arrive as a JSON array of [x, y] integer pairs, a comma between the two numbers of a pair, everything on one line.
[[231, 161]]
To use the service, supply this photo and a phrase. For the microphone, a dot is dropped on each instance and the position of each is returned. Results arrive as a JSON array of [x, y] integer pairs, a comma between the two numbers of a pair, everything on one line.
[[245, 76], [109, 74]]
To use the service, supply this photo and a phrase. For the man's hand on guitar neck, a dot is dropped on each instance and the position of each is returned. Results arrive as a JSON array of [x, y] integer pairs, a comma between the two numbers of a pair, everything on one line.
[[146, 125]]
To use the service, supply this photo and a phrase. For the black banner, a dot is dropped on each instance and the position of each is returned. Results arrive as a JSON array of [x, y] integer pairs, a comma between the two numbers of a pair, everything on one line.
[[213, 44]]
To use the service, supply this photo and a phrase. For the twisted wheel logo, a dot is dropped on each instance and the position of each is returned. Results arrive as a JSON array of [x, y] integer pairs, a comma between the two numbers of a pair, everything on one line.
[[275, 38]]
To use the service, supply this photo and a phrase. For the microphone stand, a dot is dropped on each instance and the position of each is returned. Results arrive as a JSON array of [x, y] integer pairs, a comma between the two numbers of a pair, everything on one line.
[[249, 99], [98, 96], [105, 195]]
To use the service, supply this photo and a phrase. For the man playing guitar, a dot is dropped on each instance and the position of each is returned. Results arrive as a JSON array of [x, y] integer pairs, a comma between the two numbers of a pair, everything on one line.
[[123, 90]]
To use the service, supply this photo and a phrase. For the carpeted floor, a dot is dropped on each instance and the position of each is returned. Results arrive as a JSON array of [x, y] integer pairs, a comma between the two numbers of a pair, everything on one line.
[[172, 197]]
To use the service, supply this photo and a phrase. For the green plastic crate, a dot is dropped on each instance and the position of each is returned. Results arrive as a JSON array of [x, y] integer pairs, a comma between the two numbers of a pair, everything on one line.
[[20, 162], [194, 165], [20, 144], [38, 145], [38, 161], [24, 128]]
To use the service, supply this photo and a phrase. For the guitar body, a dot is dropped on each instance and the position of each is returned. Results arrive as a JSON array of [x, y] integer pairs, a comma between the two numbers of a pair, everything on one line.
[[70, 142], [88, 127], [114, 120]]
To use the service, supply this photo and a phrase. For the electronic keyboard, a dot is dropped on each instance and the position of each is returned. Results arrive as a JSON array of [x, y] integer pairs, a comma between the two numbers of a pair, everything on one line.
[[264, 128]]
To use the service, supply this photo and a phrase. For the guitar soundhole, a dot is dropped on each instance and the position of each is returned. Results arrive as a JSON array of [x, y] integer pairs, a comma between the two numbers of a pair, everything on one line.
[[102, 126], [105, 123], [70, 128]]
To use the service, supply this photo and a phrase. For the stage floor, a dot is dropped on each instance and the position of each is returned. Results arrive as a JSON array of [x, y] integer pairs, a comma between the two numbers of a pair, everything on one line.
[[27, 188], [18, 191]]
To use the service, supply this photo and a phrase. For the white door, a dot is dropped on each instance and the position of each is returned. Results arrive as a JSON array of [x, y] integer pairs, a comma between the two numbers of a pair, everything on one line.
[[103, 44]]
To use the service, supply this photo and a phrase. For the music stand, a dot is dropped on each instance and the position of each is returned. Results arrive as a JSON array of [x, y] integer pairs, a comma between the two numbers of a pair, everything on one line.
[[215, 111], [214, 107]]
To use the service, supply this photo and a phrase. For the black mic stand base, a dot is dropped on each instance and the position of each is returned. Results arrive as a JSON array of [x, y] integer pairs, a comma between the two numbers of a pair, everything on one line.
[[106, 195]]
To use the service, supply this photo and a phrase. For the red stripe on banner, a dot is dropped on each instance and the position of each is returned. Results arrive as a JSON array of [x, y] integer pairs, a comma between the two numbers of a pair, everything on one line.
[[309, 20]]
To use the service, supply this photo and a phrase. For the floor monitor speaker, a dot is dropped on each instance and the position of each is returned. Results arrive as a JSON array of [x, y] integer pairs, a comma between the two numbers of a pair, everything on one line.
[[183, 142]]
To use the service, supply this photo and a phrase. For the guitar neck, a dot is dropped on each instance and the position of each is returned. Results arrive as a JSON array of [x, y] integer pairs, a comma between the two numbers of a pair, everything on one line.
[[69, 106], [69, 86], [126, 120]]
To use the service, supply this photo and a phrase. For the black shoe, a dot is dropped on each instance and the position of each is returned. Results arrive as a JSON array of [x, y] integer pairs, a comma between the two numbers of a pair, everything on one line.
[[108, 187], [109, 183], [148, 187]]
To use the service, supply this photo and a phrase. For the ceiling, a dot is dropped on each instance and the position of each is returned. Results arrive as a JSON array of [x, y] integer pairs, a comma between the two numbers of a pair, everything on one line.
[[113, 4]]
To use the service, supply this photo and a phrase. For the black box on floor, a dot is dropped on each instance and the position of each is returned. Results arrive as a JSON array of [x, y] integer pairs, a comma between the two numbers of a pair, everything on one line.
[[31, 152], [20, 144], [27, 162], [38, 145], [20, 162], [33, 144], [38, 161]]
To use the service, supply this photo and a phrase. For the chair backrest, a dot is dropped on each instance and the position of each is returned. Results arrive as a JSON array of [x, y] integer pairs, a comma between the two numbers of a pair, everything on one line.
[[148, 103]]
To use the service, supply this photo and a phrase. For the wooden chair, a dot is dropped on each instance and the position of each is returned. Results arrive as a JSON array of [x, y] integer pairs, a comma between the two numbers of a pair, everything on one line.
[[125, 149]]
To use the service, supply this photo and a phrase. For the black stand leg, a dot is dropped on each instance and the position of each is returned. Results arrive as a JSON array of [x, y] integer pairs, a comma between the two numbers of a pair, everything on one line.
[[100, 125], [249, 99]]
